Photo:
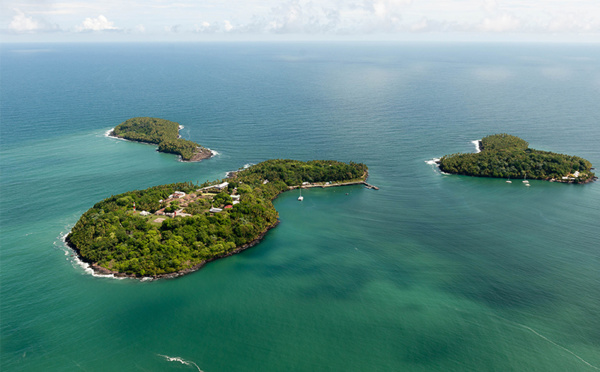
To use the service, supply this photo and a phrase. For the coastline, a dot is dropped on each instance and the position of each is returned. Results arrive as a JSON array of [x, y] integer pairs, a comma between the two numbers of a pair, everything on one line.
[[479, 147], [98, 270], [201, 153]]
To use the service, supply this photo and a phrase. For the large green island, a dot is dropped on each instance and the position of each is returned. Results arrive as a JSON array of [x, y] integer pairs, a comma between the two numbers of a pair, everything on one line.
[[170, 230], [163, 133], [506, 156]]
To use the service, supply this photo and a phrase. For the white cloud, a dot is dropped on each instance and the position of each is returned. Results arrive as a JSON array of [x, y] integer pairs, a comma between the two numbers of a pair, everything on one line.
[[429, 25], [323, 18], [329, 17], [173, 29], [22, 23], [574, 23], [501, 23], [204, 27], [216, 27], [96, 24]]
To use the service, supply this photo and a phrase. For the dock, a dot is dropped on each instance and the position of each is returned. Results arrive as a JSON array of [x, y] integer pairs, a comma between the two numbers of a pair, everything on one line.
[[367, 185]]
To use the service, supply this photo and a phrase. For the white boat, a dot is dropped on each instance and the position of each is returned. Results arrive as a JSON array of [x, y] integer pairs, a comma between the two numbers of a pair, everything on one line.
[[508, 180], [525, 179], [300, 198]]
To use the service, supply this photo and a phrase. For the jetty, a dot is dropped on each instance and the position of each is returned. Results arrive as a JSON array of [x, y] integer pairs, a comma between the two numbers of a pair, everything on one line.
[[334, 184]]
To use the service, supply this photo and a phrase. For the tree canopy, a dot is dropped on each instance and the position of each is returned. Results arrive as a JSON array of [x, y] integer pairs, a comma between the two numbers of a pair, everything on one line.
[[504, 156], [162, 132]]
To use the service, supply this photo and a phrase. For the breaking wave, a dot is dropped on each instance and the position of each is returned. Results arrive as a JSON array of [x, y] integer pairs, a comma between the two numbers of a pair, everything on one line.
[[180, 360]]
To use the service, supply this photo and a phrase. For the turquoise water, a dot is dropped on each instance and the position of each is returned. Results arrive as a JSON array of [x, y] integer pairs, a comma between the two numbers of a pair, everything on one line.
[[430, 273]]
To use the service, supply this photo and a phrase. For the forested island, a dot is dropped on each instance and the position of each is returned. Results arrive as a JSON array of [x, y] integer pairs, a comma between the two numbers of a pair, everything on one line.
[[170, 230], [163, 133], [506, 156]]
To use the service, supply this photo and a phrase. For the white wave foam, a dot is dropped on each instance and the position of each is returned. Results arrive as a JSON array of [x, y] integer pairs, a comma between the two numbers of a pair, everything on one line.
[[477, 145], [108, 132], [180, 360], [77, 261], [246, 166], [436, 163], [214, 152]]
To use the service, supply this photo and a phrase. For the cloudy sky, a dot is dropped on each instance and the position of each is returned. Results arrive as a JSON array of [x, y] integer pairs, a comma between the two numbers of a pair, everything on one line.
[[206, 20]]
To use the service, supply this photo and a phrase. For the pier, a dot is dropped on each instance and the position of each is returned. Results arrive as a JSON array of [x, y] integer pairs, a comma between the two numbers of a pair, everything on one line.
[[325, 185]]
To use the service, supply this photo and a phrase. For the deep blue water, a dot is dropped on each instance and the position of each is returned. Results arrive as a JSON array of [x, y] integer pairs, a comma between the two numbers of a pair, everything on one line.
[[430, 273]]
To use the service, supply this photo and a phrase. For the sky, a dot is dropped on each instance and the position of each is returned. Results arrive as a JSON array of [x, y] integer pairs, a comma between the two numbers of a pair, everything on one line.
[[288, 20]]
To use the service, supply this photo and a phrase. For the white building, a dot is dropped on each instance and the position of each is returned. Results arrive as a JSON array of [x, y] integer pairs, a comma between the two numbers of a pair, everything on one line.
[[222, 186], [177, 194]]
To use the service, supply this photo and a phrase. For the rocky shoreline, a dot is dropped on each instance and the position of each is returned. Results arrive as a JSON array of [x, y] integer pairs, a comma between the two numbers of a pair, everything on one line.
[[201, 153], [104, 271]]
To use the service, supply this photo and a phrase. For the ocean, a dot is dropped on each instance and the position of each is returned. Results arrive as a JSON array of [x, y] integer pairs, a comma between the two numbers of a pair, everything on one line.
[[432, 272]]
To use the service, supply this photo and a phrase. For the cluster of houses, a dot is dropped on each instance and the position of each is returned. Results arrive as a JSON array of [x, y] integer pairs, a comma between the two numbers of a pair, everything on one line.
[[190, 198], [235, 200]]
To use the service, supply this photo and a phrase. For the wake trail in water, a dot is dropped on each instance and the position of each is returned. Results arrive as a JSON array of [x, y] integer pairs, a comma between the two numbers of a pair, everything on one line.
[[180, 360], [548, 340], [519, 325]]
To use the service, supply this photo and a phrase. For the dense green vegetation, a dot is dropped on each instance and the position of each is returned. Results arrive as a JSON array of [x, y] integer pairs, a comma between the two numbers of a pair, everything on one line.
[[504, 156], [114, 236], [162, 132]]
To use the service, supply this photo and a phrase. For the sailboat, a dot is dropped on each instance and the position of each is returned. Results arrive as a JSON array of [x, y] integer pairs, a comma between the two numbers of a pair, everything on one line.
[[508, 180], [525, 180], [300, 198]]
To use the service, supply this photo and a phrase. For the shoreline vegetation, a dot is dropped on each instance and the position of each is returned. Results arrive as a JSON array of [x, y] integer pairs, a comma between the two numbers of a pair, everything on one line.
[[163, 133], [507, 156], [171, 230]]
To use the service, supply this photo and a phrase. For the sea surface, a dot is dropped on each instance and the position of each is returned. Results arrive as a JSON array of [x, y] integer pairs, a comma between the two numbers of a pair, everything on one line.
[[430, 273]]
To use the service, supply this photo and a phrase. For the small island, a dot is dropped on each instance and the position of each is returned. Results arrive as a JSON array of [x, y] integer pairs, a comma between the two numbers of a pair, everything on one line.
[[163, 133], [170, 230], [506, 156]]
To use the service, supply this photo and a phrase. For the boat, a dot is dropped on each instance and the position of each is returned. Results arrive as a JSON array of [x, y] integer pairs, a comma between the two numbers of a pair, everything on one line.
[[525, 179], [508, 180], [300, 198]]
